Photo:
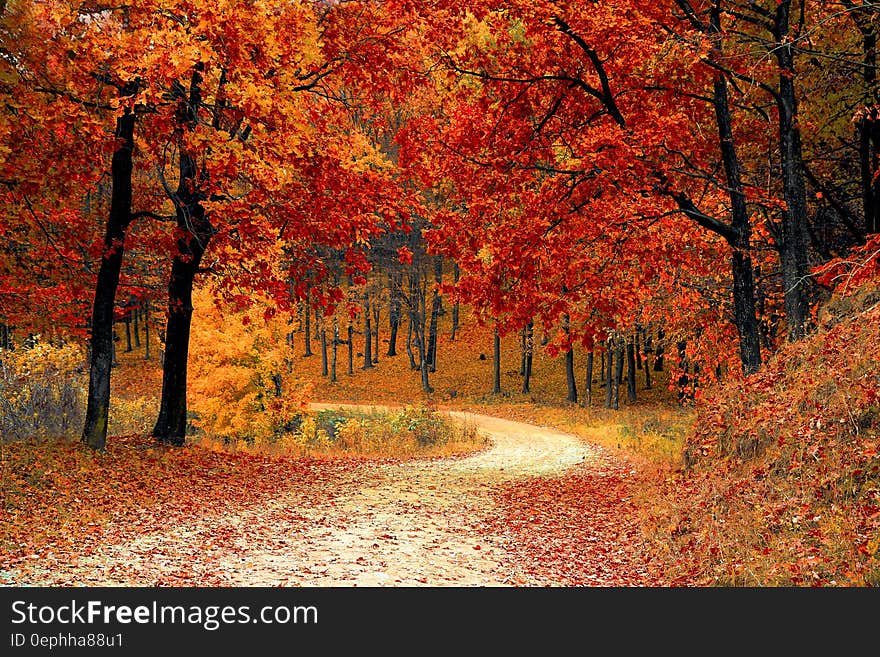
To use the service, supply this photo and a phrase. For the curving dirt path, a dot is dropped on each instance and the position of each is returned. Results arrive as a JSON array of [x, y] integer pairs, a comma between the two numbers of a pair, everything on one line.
[[409, 524]]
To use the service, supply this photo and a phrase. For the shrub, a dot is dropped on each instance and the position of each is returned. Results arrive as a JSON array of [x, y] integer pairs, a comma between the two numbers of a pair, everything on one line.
[[42, 392]]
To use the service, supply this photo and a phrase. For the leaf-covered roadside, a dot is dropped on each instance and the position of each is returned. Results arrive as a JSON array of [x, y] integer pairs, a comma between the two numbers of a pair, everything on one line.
[[579, 529], [54, 496]]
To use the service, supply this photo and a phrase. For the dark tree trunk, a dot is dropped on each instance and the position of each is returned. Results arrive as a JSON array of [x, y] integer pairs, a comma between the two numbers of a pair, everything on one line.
[[128, 334], [609, 376], [146, 320], [417, 313], [658, 359], [101, 344], [368, 336], [868, 124], [335, 351], [394, 282], [307, 313], [136, 317], [630, 370], [171, 424], [436, 308], [588, 383], [325, 369], [350, 343], [195, 232], [794, 241], [570, 383], [410, 337], [456, 274], [618, 376], [376, 315], [529, 346], [648, 350], [496, 362]]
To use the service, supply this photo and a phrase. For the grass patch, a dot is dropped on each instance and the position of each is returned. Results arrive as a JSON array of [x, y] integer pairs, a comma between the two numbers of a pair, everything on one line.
[[410, 432]]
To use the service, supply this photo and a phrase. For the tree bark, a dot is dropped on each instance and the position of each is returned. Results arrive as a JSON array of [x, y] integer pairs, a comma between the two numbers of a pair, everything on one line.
[[496, 362], [794, 241], [456, 274], [350, 342], [325, 369], [368, 336], [101, 344], [195, 232], [376, 316], [335, 350], [618, 376], [394, 282], [588, 383], [146, 321], [529, 347], [630, 370], [436, 307], [609, 376], [307, 313]]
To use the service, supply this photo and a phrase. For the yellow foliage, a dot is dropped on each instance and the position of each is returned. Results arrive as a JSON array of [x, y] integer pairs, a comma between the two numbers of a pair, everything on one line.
[[239, 362]]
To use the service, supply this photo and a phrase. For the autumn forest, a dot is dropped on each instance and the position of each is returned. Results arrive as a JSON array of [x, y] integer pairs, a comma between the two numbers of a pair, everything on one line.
[[407, 293]]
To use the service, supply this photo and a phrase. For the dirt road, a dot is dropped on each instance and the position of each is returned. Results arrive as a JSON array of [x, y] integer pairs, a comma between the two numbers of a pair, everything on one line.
[[407, 524]]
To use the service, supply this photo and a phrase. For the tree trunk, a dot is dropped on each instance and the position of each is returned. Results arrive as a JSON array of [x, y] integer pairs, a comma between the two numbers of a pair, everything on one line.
[[794, 256], [570, 383], [128, 334], [456, 274], [101, 344], [376, 315], [529, 346], [195, 232], [618, 376], [394, 282], [417, 322], [630, 370], [307, 313], [409, 343], [325, 369], [658, 359], [146, 329], [335, 351], [868, 124], [350, 350], [588, 384], [136, 317], [436, 307], [170, 426], [368, 336], [496, 362], [609, 376]]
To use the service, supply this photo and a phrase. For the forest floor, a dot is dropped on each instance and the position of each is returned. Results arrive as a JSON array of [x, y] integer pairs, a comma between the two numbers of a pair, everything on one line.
[[477, 520]]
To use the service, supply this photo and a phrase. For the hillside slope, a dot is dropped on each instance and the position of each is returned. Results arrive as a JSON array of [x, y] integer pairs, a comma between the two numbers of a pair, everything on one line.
[[781, 476]]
